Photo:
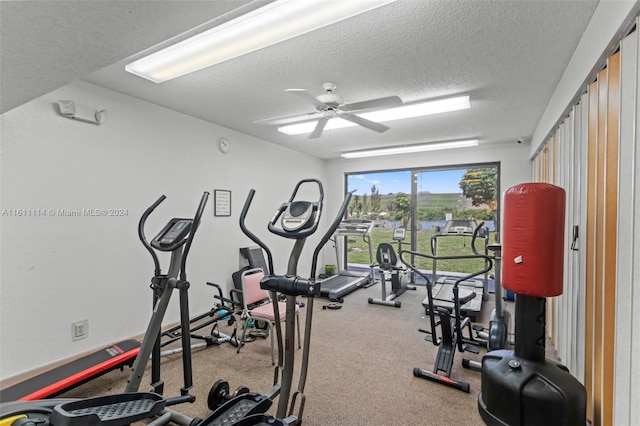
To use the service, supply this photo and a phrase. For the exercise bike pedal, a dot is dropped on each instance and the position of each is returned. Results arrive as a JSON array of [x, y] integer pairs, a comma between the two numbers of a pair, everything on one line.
[[477, 327]]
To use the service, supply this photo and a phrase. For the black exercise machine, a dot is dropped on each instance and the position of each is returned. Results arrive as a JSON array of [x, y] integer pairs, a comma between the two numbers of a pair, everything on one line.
[[294, 220], [391, 271], [86, 368], [122, 409], [177, 233], [450, 320], [459, 229], [346, 280]]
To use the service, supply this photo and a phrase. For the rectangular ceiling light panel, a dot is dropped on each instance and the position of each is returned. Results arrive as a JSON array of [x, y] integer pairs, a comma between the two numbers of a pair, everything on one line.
[[408, 149], [263, 27], [406, 111]]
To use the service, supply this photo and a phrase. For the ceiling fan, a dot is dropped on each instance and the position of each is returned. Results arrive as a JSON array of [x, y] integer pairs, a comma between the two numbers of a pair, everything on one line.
[[331, 105]]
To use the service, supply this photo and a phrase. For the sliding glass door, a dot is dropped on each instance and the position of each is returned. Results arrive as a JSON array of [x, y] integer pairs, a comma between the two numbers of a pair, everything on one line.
[[422, 201]]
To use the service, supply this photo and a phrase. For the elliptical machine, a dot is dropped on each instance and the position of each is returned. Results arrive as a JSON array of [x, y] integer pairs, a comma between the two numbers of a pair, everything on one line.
[[296, 220], [391, 270], [128, 407], [171, 239]]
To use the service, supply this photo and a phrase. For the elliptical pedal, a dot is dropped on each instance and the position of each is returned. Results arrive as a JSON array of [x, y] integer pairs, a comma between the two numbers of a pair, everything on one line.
[[232, 411], [470, 348], [113, 410]]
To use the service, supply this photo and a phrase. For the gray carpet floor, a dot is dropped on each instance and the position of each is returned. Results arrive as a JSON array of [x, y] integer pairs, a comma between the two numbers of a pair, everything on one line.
[[360, 373]]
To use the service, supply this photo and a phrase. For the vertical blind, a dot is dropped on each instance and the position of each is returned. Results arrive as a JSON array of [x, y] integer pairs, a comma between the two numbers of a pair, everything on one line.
[[593, 154]]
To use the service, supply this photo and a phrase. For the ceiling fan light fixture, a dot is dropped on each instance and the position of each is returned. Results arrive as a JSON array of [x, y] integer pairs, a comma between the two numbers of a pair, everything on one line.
[[418, 109], [409, 149], [276, 22]]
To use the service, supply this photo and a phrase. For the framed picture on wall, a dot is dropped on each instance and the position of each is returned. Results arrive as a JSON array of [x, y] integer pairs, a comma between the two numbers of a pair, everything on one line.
[[221, 202]]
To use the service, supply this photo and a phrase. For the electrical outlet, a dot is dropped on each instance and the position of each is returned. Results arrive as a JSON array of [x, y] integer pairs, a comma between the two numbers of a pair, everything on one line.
[[79, 330]]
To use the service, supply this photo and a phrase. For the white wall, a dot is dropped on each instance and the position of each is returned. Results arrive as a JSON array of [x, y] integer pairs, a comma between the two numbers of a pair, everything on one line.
[[57, 270]]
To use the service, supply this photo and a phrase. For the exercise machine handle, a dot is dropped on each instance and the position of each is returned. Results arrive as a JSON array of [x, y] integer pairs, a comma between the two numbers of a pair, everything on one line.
[[309, 223], [291, 285], [143, 237], [316, 181], [251, 235], [487, 268], [194, 227], [473, 238]]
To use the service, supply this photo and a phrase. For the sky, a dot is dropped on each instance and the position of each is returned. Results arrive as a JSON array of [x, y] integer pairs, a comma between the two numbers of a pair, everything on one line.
[[440, 181]]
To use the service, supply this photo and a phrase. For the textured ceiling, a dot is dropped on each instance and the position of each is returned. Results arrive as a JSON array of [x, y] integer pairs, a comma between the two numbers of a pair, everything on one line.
[[507, 55]]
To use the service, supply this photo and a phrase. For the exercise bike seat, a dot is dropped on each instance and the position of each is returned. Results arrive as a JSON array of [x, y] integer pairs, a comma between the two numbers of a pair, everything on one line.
[[387, 258]]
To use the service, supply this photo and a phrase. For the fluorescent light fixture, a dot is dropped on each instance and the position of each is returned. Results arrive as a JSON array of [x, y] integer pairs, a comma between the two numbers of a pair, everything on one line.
[[418, 109], [276, 22], [408, 149]]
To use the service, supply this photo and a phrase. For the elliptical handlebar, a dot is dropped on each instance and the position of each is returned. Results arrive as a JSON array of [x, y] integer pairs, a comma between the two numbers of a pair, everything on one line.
[[143, 237], [473, 238], [194, 227], [433, 244], [316, 181], [251, 235], [487, 268]]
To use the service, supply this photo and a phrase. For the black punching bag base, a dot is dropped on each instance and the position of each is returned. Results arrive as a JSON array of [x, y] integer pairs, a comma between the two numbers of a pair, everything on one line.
[[519, 392]]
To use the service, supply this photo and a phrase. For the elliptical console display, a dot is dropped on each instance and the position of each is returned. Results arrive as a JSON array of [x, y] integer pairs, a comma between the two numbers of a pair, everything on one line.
[[173, 235], [298, 218]]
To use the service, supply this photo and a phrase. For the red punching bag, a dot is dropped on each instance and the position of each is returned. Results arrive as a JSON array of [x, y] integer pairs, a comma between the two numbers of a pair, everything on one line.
[[533, 239]]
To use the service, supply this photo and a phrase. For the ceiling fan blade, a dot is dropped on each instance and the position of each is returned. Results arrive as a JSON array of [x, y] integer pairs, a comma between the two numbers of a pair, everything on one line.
[[380, 103], [319, 128], [371, 125], [292, 119], [306, 95]]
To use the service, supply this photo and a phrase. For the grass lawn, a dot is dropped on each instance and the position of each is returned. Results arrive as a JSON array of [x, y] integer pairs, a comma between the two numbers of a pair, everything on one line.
[[446, 246]]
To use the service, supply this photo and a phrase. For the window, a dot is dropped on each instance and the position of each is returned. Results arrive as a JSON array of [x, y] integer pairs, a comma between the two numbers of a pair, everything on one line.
[[420, 201]]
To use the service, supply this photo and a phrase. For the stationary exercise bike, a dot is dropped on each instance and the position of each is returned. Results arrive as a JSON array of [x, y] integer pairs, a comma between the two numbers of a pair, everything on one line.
[[497, 335], [451, 322], [391, 270]]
